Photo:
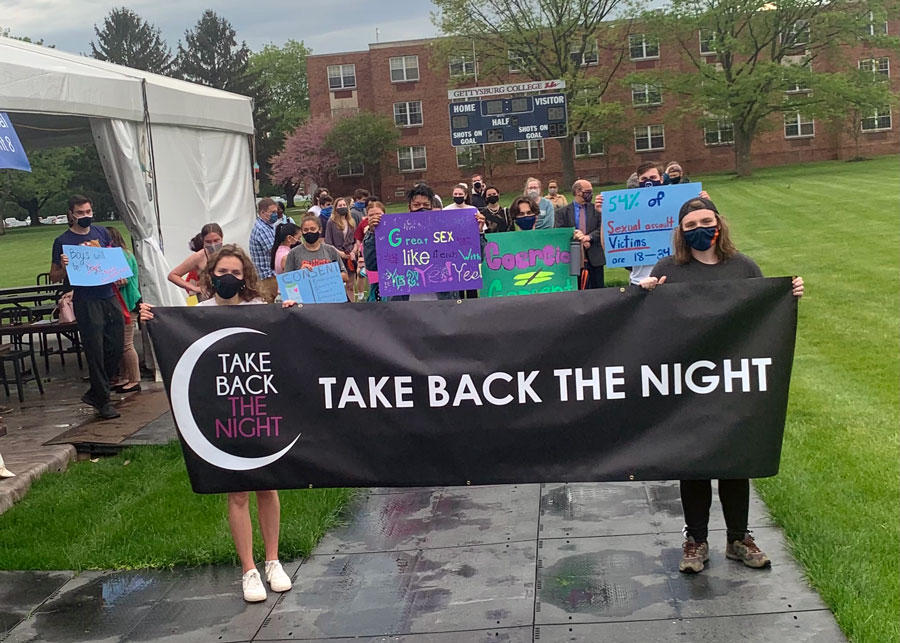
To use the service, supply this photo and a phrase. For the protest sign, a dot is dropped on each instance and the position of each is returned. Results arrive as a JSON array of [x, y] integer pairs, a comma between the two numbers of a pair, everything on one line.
[[321, 285], [12, 154], [568, 387], [428, 251], [527, 262], [95, 266], [638, 223]]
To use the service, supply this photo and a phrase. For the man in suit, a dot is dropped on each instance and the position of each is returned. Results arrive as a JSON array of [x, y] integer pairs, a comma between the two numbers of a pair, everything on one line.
[[583, 214]]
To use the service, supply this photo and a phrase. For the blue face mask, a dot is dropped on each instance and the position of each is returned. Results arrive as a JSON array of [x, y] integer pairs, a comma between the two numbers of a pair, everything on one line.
[[273, 217], [701, 238], [359, 205], [326, 212], [526, 223]]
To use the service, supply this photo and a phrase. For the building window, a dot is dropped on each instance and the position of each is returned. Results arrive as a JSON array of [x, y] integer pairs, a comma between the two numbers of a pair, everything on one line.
[[718, 132], [707, 47], [408, 114], [469, 156], [338, 112], [341, 76], [584, 54], [880, 120], [649, 137], [875, 27], [795, 85], [350, 169], [411, 159], [529, 151], [404, 69], [643, 47], [462, 66], [645, 95], [516, 62], [876, 65], [797, 126], [585, 147], [797, 35]]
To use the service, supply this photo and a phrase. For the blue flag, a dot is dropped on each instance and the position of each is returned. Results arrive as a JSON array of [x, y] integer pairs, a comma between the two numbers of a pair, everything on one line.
[[12, 154]]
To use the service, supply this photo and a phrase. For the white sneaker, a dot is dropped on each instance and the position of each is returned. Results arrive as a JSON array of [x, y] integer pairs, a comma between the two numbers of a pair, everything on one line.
[[254, 592], [278, 580]]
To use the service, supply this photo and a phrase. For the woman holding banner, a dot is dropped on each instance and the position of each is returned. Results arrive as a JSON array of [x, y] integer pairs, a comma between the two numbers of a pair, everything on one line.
[[231, 276], [704, 252]]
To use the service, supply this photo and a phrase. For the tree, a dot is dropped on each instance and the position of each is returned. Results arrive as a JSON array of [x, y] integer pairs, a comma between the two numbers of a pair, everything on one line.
[[304, 157], [49, 178], [764, 58], [127, 39], [5, 33], [606, 122], [282, 70], [489, 158], [543, 39], [364, 140], [855, 98]]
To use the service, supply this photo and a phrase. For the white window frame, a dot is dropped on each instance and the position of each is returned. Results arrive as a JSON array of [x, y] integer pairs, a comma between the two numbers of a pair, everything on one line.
[[874, 65], [470, 152], [467, 62], [793, 32], [532, 145], [644, 89], [646, 131], [645, 45], [351, 171], [870, 28], [340, 75], [722, 125], [513, 59], [411, 151], [407, 116], [584, 138], [590, 56], [796, 118], [405, 68], [879, 114], [708, 40]]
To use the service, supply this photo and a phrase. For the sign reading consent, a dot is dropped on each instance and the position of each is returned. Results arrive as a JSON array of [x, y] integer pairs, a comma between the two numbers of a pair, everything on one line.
[[527, 262], [95, 266], [638, 223], [572, 386], [428, 251], [320, 285]]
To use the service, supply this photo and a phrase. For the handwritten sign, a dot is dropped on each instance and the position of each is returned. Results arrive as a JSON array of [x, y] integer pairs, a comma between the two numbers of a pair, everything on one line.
[[638, 223], [12, 154], [428, 251], [321, 285], [95, 266], [527, 262]]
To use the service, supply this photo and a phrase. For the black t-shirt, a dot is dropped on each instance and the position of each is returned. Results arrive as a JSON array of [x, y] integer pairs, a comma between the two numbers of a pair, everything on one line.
[[738, 267], [498, 221], [478, 200], [69, 238]]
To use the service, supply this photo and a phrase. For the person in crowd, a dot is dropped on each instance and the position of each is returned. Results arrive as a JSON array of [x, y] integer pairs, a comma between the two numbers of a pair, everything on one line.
[[313, 251], [704, 251], [584, 214], [129, 380], [339, 232], [674, 175], [358, 207], [287, 235], [460, 198], [280, 209], [231, 275], [525, 213], [204, 245], [632, 181], [262, 238], [316, 207], [547, 216], [497, 218], [478, 190], [555, 197], [436, 202], [377, 208], [326, 209], [101, 323]]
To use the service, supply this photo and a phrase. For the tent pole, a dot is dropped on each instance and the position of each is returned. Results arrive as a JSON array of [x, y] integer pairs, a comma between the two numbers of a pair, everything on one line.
[[152, 164]]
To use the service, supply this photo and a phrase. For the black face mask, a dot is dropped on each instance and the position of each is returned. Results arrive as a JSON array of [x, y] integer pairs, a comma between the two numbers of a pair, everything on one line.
[[84, 222], [459, 200], [477, 185], [227, 286], [341, 211], [310, 237], [674, 180], [494, 198], [587, 197]]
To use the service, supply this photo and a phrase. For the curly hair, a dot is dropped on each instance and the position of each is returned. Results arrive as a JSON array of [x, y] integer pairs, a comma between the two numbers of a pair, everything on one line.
[[250, 291]]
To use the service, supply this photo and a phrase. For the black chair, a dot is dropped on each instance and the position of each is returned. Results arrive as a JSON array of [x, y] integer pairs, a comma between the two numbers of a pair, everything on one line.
[[19, 349], [43, 279]]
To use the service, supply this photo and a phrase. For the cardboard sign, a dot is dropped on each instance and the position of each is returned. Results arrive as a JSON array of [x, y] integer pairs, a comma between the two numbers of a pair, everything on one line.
[[321, 285], [638, 223], [12, 154], [95, 266], [428, 251], [527, 262]]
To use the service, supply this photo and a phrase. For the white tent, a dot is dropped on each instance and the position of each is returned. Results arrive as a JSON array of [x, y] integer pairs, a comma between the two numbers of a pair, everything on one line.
[[176, 155]]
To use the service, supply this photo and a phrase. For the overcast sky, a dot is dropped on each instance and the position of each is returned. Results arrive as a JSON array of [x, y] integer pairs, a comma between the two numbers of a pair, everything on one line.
[[326, 27]]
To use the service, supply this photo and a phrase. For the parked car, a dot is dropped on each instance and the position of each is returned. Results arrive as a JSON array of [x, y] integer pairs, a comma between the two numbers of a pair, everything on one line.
[[12, 222]]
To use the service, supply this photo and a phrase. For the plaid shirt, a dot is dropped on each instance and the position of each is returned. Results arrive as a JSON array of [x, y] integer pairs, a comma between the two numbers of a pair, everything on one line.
[[262, 238]]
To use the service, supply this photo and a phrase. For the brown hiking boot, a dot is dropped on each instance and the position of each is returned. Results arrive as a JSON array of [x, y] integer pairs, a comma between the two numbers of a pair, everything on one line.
[[693, 555], [747, 552]]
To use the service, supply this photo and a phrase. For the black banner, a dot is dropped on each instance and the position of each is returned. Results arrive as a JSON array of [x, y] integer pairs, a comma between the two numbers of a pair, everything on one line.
[[687, 381]]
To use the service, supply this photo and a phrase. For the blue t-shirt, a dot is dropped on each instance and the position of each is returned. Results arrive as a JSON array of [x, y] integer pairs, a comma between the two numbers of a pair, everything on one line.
[[69, 238]]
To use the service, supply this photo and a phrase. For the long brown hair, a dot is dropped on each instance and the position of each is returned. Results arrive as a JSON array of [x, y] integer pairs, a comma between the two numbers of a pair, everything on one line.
[[250, 290], [724, 247], [116, 239], [343, 221]]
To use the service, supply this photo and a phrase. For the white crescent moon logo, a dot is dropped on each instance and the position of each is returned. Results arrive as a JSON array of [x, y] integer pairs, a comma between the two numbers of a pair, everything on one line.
[[184, 417]]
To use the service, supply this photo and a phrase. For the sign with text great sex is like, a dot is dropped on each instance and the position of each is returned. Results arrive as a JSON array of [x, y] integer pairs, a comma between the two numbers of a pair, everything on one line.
[[428, 251], [638, 223]]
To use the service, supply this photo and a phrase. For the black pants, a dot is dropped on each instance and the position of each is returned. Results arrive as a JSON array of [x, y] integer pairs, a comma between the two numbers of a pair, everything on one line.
[[594, 277], [101, 325], [696, 498]]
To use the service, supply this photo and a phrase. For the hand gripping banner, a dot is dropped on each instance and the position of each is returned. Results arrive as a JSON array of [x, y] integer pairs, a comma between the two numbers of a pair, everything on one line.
[[687, 381]]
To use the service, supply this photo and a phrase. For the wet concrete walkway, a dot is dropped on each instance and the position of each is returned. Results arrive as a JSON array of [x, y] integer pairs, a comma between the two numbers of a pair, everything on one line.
[[577, 562]]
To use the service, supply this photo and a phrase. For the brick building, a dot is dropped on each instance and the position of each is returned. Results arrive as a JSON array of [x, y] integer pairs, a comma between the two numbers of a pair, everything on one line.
[[397, 79]]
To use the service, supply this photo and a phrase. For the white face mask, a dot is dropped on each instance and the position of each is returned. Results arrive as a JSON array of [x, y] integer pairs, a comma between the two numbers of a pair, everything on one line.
[[534, 194]]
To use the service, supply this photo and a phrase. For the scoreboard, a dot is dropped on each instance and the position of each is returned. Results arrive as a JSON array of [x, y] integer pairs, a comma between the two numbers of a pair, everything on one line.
[[502, 120]]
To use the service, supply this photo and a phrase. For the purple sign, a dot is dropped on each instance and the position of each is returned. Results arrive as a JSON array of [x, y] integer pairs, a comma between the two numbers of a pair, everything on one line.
[[428, 251]]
